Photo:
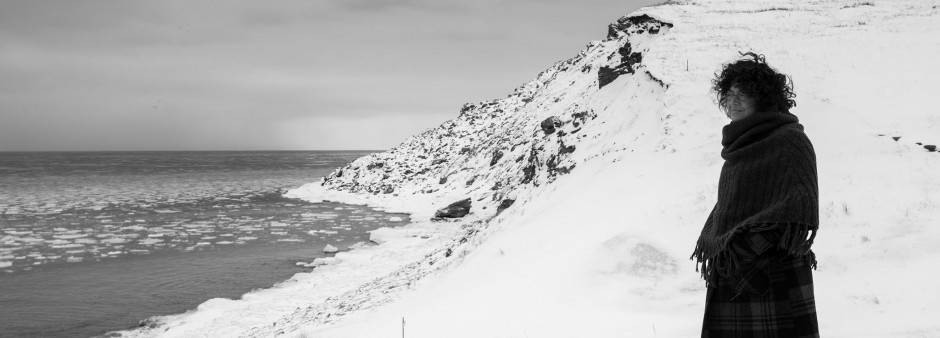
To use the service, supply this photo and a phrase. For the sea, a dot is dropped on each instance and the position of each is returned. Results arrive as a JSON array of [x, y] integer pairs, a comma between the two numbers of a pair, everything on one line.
[[93, 242]]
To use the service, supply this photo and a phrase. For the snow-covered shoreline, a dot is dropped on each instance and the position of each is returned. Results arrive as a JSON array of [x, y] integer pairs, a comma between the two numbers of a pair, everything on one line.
[[610, 165]]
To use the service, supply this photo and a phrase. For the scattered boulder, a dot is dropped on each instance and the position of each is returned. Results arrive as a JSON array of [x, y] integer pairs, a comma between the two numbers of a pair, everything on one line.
[[549, 124], [506, 203], [454, 210], [497, 185], [443, 180], [930, 147], [528, 173], [628, 60], [330, 249], [375, 165], [896, 137], [497, 154], [606, 75]]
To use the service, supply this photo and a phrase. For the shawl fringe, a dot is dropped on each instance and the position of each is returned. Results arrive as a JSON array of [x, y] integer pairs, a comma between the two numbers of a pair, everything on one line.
[[718, 260]]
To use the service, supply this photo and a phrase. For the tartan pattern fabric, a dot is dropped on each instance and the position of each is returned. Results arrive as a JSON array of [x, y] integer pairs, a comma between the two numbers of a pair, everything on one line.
[[753, 275], [754, 249], [785, 308]]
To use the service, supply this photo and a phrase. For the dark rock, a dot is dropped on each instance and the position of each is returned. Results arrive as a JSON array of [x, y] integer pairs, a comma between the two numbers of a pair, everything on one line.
[[465, 150], [628, 59], [656, 79], [896, 137], [606, 75], [580, 117], [438, 161], [443, 180], [448, 252], [930, 147], [549, 124], [503, 205], [454, 210], [623, 25], [388, 189], [566, 149], [920, 144], [528, 173], [520, 158], [496, 186], [471, 180], [467, 108], [552, 162], [497, 154], [375, 165], [564, 170]]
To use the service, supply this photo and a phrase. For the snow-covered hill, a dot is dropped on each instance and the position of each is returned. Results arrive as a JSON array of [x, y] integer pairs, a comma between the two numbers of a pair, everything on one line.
[[589, 186]]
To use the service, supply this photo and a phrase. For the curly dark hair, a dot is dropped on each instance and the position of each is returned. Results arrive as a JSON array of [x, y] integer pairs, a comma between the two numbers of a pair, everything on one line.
[[753, 77]]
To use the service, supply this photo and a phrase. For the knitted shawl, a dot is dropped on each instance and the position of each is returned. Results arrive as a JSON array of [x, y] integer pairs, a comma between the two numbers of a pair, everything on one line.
[[767, 183]]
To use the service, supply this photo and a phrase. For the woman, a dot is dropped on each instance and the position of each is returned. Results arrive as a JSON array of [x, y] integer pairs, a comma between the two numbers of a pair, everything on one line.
[[754, 250]]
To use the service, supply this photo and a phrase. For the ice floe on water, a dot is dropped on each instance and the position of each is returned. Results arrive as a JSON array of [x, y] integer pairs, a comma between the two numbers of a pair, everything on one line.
[[75, 235]]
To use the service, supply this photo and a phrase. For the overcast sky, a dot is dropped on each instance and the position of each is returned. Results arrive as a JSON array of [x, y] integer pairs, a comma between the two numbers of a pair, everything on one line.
[[269, 75]]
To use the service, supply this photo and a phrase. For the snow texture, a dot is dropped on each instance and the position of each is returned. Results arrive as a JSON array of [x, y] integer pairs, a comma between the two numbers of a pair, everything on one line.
[[609, 197]]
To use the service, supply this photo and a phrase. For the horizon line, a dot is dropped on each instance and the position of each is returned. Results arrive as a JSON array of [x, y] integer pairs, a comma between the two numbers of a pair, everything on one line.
[[179, 151]]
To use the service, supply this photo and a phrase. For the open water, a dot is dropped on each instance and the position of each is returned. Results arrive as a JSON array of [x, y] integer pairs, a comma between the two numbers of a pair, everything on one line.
[[92, 242]]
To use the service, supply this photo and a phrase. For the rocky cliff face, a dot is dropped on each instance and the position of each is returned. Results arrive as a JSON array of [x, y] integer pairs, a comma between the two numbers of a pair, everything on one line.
[[525, 140]]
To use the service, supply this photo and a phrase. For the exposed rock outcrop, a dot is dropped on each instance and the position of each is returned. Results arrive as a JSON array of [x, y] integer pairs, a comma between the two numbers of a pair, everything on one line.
[[629, 58], [540, 127], [454, 210]]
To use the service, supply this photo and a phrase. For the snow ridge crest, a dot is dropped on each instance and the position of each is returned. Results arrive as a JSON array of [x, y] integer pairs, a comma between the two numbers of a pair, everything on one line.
[[526, 140]]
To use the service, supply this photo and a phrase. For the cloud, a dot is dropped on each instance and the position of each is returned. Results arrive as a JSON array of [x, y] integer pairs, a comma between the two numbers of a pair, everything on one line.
[[378, 6], [206, 74]]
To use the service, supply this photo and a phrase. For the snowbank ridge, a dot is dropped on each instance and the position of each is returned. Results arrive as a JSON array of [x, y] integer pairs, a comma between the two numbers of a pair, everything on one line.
[[611, 159], [494, 148]]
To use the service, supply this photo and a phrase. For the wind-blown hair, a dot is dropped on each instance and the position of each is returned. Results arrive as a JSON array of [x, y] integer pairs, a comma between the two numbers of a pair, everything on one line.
[[753, 77]]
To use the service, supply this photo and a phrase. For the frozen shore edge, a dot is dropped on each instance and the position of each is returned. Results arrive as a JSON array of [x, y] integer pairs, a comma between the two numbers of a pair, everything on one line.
[[364, 277]]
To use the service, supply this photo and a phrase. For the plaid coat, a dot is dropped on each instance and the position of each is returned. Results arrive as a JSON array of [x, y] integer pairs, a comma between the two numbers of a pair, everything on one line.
[[770, 294]]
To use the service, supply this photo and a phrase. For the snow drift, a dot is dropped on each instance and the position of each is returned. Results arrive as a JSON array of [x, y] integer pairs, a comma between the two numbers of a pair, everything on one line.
[[590, 184]]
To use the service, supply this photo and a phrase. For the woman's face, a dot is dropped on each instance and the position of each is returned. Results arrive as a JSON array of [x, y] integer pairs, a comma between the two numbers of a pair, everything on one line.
[[739, 105]]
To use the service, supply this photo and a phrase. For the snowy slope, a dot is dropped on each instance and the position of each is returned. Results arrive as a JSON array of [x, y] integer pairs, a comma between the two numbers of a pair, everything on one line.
[[608, 204]]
